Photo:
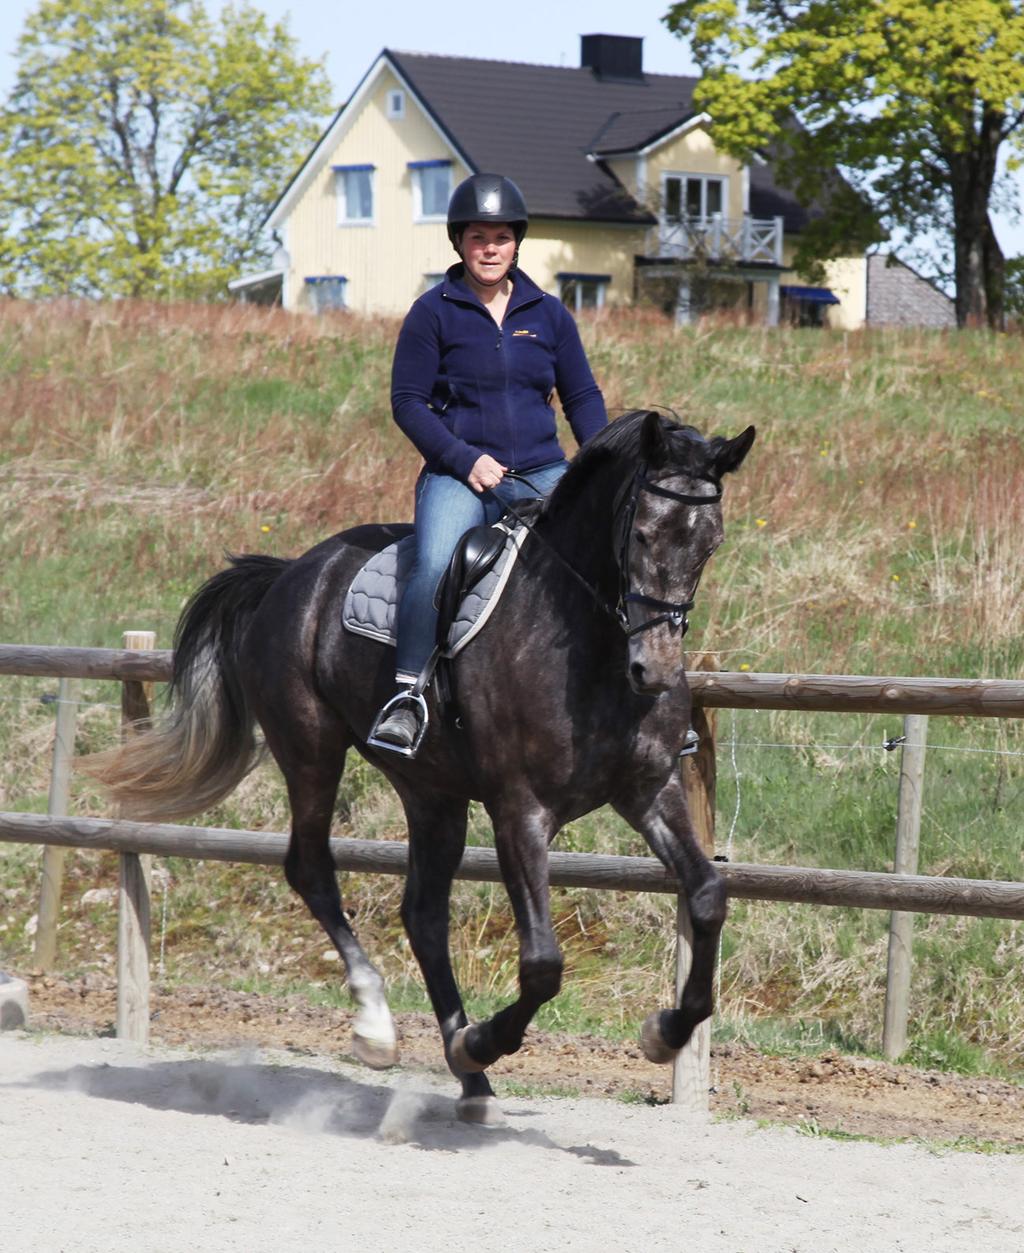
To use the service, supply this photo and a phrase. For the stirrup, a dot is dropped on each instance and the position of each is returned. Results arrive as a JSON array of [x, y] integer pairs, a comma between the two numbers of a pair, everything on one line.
[[410, 697], [691, 742]]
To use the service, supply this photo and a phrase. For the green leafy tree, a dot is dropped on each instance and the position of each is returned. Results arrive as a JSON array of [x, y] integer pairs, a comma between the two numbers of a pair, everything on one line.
[[143, 142], [913, 99]]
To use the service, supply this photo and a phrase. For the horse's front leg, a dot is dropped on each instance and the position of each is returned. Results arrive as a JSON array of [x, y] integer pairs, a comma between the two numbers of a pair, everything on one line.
[[521, 837], [662, 818]]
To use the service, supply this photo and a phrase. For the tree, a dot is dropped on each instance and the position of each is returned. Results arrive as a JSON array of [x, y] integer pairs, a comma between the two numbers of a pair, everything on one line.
[[143, 142], [913, 100]]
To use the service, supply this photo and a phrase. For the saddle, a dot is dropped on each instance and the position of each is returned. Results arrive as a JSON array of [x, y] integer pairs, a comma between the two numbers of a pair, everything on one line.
[[467, 594]]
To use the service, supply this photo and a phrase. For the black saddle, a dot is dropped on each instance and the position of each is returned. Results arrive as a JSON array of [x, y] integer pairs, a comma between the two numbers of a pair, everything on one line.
[[475, 554]]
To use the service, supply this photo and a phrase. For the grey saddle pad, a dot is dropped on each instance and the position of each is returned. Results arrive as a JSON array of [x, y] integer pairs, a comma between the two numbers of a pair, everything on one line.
[[371, 606]]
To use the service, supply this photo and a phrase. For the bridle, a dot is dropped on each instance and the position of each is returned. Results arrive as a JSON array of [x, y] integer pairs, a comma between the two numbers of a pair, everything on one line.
[[673, 612], [624, 510]]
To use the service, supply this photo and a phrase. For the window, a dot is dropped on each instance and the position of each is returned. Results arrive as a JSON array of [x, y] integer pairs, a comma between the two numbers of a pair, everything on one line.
[[430, 279], [692, 196], [396, 104], [583, 291], [431, 189], [354, 190], [326, 292]]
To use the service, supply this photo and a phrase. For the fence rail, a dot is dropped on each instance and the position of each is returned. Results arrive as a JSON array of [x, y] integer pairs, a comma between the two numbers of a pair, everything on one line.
[[863, 889], [721, 689]]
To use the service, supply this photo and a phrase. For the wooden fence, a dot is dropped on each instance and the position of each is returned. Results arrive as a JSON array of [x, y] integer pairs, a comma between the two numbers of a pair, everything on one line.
[[902, 893]]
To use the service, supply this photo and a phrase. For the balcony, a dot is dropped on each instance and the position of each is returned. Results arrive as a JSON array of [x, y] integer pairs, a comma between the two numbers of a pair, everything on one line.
[[722, 241]]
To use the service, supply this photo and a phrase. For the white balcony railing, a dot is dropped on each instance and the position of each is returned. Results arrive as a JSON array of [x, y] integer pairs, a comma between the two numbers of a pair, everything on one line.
[[723, 240]]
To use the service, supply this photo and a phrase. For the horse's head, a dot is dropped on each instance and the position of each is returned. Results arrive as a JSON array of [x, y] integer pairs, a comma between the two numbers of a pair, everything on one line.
[[670, 524]]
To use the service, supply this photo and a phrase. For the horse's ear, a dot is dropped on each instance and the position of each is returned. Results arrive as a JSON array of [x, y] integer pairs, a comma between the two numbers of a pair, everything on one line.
[[729, 454], [654, 447]]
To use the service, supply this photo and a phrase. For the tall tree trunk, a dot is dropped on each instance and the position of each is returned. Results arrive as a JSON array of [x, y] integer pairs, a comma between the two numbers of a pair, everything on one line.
[[995, 279], [977, 257], [969, 265]]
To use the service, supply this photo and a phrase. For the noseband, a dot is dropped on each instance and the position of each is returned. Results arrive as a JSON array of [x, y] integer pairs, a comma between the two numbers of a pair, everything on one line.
[[673, 612]]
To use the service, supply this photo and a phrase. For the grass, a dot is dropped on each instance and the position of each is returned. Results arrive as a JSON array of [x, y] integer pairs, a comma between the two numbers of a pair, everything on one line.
[[874, 529]]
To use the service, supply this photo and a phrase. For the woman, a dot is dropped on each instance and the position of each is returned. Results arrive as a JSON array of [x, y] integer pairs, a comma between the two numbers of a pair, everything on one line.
[[476, 363]]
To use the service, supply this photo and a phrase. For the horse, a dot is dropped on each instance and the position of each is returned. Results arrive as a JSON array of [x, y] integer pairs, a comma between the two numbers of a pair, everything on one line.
[[574, 696]]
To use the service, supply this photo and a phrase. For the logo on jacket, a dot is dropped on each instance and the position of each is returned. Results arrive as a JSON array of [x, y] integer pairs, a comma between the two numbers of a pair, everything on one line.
[[524, 334]]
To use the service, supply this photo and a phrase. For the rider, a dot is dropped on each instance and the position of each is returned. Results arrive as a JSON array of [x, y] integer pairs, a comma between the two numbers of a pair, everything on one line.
[[477, 361]]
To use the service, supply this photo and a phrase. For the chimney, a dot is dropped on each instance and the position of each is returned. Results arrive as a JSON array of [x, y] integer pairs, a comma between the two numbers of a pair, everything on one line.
[[619, 58]]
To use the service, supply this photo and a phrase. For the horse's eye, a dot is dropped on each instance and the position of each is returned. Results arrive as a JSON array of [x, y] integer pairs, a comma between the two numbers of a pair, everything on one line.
[[640, 538]]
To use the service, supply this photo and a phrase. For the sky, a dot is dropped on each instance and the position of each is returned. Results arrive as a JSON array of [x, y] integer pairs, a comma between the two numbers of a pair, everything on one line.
[[349, 35]]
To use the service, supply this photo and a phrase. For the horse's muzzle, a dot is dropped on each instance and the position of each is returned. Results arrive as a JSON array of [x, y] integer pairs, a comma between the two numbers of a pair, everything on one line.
[[646, 684]]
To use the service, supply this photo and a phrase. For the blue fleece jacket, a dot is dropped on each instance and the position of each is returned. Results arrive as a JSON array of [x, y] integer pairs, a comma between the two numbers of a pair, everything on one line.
[[462, 386]]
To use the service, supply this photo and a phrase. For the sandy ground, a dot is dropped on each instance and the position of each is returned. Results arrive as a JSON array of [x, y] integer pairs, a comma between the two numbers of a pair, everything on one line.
[[104, 1146], [829, 1092]]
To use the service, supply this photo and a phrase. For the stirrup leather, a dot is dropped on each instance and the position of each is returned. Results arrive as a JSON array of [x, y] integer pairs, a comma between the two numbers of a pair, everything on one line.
[[410, 698]]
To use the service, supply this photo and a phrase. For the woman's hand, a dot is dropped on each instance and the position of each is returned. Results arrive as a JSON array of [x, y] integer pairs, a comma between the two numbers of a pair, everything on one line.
[[486, 473]]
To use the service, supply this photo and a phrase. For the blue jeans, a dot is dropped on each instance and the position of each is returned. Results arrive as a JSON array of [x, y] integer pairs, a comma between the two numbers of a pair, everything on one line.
[[445, 509]]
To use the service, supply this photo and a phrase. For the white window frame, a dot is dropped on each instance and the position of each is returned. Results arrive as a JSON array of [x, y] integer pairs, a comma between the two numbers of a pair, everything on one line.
[[600, 282], [341, 194], [431, 279], [316, 284], [396, 104], [704, 180], [417, 170]]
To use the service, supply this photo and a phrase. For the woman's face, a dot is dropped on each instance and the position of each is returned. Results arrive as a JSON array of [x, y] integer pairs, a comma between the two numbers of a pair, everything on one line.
[[487, 251]]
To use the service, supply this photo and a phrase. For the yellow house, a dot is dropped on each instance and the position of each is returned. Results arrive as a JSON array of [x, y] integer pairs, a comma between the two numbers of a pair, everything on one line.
[[629, 199]]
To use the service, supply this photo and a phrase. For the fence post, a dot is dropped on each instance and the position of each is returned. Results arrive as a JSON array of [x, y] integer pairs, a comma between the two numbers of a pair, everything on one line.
[[901, 923], [133, 903], [691, 1070], [57, 807]]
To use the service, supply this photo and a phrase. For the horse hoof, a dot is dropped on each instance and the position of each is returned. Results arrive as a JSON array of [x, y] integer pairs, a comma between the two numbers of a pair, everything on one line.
[[653, 1042], [483, 1111], [377, 1054], [459, 1054]]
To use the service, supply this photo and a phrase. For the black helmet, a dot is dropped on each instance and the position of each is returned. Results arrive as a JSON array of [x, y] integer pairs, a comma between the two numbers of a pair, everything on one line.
[[487, 198]]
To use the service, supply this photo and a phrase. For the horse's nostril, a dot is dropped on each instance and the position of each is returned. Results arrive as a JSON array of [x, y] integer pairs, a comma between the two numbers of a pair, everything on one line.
[[637, 671]]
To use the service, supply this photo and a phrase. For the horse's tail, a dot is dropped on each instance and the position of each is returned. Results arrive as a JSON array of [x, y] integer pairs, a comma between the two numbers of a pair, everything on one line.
[[203, 745]]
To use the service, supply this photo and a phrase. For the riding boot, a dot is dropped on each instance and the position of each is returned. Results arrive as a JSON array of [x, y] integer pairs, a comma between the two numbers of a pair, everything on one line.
[[399, 725]]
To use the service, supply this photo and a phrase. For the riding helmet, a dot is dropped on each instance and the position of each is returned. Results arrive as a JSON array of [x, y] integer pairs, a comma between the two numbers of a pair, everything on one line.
[[487, 198]]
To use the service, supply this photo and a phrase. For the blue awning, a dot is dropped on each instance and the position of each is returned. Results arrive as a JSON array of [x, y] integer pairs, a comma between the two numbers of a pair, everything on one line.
[[814, 295], [353, 169], [434, 164]]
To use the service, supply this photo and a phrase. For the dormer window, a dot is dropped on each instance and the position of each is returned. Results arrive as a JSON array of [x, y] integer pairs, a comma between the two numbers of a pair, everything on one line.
[[694, 197], [396, 104]]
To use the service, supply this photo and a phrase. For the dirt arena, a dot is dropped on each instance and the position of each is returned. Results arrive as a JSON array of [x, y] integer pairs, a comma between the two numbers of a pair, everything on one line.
[[105, 1146]]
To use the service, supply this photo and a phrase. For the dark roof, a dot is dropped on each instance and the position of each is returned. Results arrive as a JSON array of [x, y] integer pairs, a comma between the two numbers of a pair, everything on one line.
[[537, 124]]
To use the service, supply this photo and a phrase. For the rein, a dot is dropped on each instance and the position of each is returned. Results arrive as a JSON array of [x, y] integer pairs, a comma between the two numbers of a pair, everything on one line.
[[672, 611]]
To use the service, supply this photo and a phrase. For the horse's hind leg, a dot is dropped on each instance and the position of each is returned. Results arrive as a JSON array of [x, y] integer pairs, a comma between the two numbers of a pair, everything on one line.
[[664, 821], [437, 837], [312, 768]]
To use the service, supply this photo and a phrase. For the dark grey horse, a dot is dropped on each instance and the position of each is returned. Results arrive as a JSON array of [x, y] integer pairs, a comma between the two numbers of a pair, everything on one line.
[[573, 697]]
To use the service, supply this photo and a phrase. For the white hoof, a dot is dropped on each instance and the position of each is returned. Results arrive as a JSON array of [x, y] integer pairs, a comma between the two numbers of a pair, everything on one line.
[[653, 1044], [484, 1111], [461, 1059], [377, 1054]]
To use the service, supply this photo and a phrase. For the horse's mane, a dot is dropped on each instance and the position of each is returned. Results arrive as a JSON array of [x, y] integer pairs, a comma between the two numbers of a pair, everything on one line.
[[617, 443]]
